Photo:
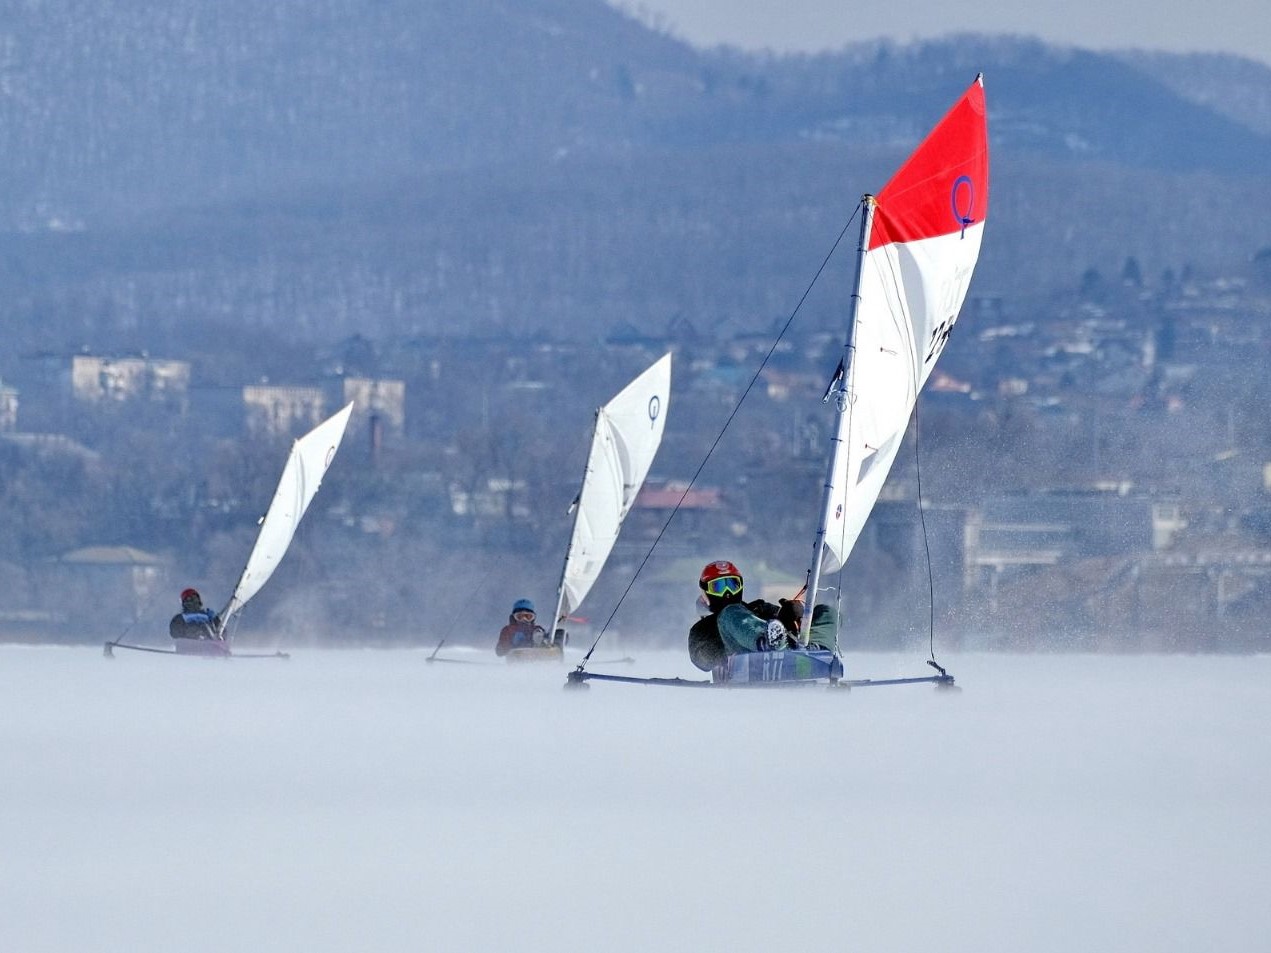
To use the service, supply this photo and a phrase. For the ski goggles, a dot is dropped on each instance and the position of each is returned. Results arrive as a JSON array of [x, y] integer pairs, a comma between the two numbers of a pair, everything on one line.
[[723, 586]]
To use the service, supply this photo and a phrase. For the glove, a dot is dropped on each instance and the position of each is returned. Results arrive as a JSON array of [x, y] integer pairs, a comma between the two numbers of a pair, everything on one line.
[[791, 614], [775, 639], [764, 610]]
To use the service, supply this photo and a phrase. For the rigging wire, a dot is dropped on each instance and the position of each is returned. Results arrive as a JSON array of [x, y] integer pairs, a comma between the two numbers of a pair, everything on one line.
[[926, 546], [907, 326], [720, 436], [145, 609]]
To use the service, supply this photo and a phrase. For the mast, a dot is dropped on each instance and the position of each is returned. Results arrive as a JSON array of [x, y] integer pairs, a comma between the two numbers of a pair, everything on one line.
[[844, 395]]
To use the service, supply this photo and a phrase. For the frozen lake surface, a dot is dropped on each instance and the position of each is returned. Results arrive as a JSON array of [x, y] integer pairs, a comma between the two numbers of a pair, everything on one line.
[[351, 801]]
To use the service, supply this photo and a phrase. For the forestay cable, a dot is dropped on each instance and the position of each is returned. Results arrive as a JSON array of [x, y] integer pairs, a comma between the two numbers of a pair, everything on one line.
[[720, 436]]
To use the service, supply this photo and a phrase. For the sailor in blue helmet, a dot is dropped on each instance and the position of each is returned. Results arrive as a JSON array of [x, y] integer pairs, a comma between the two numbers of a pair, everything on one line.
[[521, 630]]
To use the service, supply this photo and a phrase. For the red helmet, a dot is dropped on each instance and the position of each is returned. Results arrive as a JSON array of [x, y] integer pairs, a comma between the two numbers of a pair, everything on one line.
[[711, 581], [190, 594], [716, 569]]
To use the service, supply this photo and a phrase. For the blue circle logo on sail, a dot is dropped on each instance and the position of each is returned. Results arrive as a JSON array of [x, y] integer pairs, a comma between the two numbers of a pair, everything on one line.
[[963, 194], [655, 408]]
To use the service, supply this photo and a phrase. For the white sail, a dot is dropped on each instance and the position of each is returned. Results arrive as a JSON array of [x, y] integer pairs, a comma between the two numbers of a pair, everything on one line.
[[301, 477], [919, 249], [626, 439], [906, 291]]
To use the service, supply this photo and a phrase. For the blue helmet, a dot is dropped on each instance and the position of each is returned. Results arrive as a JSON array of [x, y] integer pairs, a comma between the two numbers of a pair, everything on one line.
[[523, 605]]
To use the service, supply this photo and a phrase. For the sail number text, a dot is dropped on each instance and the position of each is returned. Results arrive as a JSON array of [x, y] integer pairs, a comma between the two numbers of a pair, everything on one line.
[[939, 338]]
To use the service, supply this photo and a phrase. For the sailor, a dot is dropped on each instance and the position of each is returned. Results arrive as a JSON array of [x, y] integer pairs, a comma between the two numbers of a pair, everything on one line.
[[733, 625], [194, 621], [521, 631]]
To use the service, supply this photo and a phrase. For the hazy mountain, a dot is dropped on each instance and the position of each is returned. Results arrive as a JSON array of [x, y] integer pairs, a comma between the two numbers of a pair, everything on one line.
[[1237, 88], [333, 165], [109, 105]]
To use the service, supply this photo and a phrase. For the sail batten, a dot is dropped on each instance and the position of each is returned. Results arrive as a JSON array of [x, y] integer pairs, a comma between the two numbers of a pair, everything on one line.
[[627, 434]]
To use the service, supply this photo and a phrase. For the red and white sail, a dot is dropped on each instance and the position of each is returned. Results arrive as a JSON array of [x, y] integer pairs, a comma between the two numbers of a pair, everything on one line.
[[918, 256]]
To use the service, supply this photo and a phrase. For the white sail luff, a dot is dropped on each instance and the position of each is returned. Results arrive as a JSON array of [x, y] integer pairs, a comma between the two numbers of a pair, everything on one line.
[[597, 518], [625, 439], [906, 290], [307, 463], [842, 393], [575, 509]]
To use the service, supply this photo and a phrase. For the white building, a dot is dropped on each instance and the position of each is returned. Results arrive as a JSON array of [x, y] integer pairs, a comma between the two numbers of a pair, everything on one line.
[[8, 408], [383, 399], [283, 411], [96, 379]]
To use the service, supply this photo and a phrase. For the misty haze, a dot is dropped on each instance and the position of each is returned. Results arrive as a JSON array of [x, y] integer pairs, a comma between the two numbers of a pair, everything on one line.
[[361, 800], [475, 223]]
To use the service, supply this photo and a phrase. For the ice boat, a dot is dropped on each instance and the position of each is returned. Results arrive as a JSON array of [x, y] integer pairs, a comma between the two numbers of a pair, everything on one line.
[[625, 439], [918, 246], [310, 457]]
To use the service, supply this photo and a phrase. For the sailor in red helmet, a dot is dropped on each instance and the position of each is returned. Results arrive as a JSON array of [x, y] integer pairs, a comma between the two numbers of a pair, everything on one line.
[[734, 625], [194, 621]]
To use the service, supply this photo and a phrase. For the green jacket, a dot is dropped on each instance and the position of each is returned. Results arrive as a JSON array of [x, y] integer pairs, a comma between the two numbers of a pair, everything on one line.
[[707, 647]]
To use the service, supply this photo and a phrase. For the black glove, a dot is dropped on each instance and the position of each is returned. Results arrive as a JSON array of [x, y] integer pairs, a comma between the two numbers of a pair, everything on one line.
[[791, 614], [764, 610]]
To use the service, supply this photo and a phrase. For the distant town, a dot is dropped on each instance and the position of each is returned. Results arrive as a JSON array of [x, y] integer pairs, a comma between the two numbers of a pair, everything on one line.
[[1091, 472]]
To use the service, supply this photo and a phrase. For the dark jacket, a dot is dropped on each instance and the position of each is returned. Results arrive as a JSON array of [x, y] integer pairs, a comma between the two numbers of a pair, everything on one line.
[[518, 635], [194, 625], [706, 647]]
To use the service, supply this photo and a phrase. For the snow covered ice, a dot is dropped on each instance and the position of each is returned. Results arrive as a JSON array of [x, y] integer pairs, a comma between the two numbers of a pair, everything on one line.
[[369, 801]]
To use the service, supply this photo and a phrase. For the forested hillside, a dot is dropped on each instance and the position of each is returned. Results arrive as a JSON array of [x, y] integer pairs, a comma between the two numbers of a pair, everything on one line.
[[339, 166]]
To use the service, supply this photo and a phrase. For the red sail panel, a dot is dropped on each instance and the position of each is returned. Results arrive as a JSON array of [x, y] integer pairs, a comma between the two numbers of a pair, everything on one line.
[[944, 186]]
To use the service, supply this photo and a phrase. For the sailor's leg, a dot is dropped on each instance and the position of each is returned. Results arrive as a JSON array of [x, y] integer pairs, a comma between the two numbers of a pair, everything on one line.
[[741, 629], [824, 629]]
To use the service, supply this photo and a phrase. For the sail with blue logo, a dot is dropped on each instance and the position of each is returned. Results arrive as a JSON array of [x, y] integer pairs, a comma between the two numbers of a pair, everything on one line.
[[624, 442], [920, 240]]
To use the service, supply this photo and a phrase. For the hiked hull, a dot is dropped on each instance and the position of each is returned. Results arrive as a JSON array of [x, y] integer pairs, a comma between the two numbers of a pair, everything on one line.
[[791, 665], [208, 648], [192, 648], [538, 653]]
